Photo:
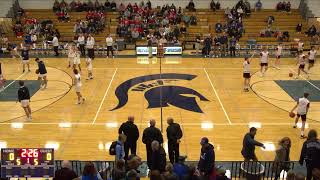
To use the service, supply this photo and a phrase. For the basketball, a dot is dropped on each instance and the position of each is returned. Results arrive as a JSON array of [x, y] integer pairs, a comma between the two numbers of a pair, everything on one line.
[[37, 71], [290, 74], [292, 114]]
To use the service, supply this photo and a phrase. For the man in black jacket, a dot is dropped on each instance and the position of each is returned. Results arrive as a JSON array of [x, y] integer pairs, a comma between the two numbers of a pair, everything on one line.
[[24, 99], [249, 145], [310, 153], [151, 134], [132, 132], [174, 134], [207, 159]]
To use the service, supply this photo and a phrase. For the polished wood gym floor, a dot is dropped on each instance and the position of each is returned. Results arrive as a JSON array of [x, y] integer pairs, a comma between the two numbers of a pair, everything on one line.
[[84, 132]]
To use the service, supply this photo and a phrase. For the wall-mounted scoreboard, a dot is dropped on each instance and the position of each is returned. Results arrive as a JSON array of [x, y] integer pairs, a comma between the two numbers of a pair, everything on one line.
[[27, 162]]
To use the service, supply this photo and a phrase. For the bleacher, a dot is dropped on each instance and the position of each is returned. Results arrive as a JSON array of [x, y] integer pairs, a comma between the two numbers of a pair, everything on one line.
[[206, 22]]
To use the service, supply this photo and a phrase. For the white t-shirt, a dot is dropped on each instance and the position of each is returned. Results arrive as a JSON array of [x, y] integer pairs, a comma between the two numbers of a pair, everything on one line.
[[302, 106], [90, 42], [264, 57], [246, 67], [77, 79], [55, 41], [302, 60], [89, 63], [312, 54], [81, 40], [109, 41], [279, 50]]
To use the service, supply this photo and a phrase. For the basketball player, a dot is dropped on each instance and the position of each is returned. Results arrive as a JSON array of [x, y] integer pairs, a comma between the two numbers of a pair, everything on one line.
[[25, 58], [246, 72], [77, 85], [312, 57], [89, 68], [300, 46], [42, 76], [24, 99], [301, 62], [76, 59], [278, 55], [302, 107], [71, 54], [264, 58]]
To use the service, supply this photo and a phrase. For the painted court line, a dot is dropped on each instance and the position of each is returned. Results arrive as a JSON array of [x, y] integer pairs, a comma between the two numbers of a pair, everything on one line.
[[104, 97], [13, 82], [306, 80], [199, 68], [217, 95]]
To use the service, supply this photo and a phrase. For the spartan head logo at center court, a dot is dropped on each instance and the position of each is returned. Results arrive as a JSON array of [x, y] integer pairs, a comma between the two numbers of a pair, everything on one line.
[[158, 94]]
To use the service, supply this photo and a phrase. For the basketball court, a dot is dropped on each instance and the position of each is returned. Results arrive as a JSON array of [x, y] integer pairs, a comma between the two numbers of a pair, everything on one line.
[[204, 96]]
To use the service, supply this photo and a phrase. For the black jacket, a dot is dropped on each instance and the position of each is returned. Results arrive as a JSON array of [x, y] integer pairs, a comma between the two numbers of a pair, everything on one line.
[[23, 93], [311, 153], [207, 159], [174, 132], [65, 174], [130, 130], [152, 134], [249, 145], [158, 161]]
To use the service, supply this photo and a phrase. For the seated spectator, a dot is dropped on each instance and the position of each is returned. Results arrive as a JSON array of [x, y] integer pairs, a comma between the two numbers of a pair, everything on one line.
[[28, 39], [132, 175], [134, 35], [180, 168], [258, 5], [299, 28], [312, 31], [218, 27], [193, 20], [191, 6], [20, 12], [90, 172], [183, 29], [213, 5], [56, 6], [270, 20], [119, 171], [218, 6], [107, 5], [73, 5], [288, 7], [221, 174], [186, 19], [247, 8], [240, 12], [65, 173], [169, 174], [113, 6], [122, 7], [158, 161], [280, 6]]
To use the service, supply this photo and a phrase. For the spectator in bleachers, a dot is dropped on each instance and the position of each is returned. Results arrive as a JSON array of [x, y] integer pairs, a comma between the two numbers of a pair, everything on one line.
[[56, 6], [247, 8], [216, 46], [280, 6], [249, 144], [224, 44], [206, 163], [113, 6], [218, 27], [218, 6], [193, 20], [107, 5], [180, 168], [90, 172], [282, 156], [158, 161], [258, 5], [299, 28], [72, 5], [119, 170], [65, 173], [191, 6], [213, 5], [169, 174], [312, 31], [288, 7], [207, 46], [270, 20], [132, 175]]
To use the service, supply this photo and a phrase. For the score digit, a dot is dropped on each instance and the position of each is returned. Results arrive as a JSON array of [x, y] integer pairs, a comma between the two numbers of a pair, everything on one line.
[[35, 161], [49, 156], [11, 156], [18, 162], [35, 153], [24, 152]]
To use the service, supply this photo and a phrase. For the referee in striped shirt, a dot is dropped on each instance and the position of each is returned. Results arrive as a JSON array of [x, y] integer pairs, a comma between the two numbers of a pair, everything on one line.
[[24, 99]]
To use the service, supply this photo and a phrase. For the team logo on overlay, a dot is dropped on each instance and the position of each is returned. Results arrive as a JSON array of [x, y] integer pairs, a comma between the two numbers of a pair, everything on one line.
[[159, 91]]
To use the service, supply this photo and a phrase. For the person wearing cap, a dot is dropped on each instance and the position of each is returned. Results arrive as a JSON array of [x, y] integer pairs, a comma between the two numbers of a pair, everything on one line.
[[249, 145], [132, 132], [151, 134], [180, 168], [174, 134], [207, 159]]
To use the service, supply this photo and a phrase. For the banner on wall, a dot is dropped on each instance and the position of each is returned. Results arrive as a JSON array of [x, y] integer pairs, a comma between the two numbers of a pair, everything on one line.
[[169, 50]]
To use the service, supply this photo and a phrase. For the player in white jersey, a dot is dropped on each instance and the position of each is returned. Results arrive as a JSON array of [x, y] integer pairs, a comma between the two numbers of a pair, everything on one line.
[[264, 58], [300, 46], [76, 60], [71, 54], [302, 62], [278, 55], [77, 85], [89, 68], [302, 107], [312, 57], [246, 72]]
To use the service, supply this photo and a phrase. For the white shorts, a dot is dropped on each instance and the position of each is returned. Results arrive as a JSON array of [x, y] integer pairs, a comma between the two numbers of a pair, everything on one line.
[[70, 59], [25, 61], [76, 61], [77, 88], [42, 75], [25, 103]]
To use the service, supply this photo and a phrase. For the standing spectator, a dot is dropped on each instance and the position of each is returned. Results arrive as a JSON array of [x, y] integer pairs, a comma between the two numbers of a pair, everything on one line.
[[24, 99], [55, 44], [258, 5], [207, 46], [119, 171], [174, 135], [150, 47], [120, 154], [180, 168], [224, 44], [81, 41], [158, 161], [131, 131], [65, 173], [90, 172], [310, 153], [25, 59], [109, 42], [282, 157], [232, 44], [198, 43], [90, 46], [207, 159], [249, 144], [151, 134]]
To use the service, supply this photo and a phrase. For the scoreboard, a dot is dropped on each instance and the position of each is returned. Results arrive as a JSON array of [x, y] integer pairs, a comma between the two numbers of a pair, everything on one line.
[[27, 162]]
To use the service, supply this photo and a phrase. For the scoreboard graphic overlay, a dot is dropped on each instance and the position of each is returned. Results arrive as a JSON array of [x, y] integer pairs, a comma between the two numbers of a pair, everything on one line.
[[27, 162]]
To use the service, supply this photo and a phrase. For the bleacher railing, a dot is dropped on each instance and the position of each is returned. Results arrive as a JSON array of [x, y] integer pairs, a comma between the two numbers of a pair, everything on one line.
[[250, 170]]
